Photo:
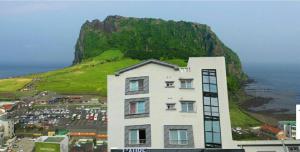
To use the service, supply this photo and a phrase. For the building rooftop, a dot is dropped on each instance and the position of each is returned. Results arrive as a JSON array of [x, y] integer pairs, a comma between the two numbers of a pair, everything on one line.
[[270, 129], [292, 123], [7, 106], [154, 61], [54, 139], [267, 142]]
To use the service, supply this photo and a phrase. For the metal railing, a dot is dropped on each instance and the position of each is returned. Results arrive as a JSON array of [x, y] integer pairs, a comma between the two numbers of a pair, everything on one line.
[[178, 142], [140, 141], [184, 69]]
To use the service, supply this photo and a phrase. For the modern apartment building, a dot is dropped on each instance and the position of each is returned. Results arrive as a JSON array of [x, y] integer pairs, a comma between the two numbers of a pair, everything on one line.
[[156, 105], [159, 107]]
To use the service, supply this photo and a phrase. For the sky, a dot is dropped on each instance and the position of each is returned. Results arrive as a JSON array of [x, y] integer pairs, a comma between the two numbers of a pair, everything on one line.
[[46, 32]]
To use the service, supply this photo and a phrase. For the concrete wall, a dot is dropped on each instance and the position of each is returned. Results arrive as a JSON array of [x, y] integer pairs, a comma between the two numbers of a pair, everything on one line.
[[159, 95], [270, 145]]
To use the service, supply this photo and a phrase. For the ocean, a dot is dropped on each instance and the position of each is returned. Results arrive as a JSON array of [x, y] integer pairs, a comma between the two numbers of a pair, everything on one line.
[[13, 70], [278, 81]]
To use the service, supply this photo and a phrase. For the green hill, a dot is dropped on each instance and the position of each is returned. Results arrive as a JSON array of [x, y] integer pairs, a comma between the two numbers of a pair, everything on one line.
[[88, 77], [144, 38]]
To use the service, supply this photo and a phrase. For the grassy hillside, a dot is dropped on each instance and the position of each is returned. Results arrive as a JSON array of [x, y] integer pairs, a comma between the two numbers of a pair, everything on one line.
[[89, 77], [12, 85], [86, 78]]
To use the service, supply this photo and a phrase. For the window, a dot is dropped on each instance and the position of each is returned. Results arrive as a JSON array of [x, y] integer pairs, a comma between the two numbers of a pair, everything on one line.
[[137, 107], [137, 136], [212, 130], [293, 148], [178, 137], [212, 133], [186, 83], [169, 84], [187, 106], [171, 106], [209, 81], [136, 85], [211, 106]]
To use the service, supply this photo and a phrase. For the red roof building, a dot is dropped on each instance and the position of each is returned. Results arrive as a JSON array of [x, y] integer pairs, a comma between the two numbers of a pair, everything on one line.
[[7, 107], [273, 131]]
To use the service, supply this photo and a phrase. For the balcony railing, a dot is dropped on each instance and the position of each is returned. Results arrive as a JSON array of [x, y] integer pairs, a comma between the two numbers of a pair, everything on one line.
[[178, 142], [184, 69], [136, 142]]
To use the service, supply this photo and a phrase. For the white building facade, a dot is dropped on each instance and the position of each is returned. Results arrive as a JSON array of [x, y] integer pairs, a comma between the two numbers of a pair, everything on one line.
[[289, 128], [8, 125], [157, 105]]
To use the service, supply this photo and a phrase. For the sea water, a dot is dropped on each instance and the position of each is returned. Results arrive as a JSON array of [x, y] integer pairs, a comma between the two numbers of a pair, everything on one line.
[[278, 81], [13, 70]]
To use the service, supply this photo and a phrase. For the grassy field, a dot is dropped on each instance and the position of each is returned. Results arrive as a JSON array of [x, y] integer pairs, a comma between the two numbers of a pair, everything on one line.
[[239, 117], [88, 77], [12, 85]]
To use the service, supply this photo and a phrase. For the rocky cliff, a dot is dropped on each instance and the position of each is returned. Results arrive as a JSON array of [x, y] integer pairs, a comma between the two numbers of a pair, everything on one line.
[[144, 38]]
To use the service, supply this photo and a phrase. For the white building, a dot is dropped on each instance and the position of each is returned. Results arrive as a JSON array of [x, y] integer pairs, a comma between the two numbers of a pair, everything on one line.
[[52, 143], [155, 105], [159, 105], [289, 128], [8, 125]]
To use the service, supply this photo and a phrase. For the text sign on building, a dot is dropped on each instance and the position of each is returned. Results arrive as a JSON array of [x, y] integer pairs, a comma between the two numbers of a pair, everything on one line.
[[297, 121]]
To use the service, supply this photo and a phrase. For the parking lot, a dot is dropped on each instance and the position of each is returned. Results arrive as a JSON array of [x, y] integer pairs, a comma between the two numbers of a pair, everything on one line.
[[73, 119], [83, 124], [23, 145]]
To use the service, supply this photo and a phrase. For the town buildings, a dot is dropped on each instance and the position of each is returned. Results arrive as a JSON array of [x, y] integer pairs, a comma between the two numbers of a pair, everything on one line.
[[289, 128]]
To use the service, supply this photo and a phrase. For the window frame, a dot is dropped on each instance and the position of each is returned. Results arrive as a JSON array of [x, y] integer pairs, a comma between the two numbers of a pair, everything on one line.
[[128, 113], [211, 110], [137, 107], [190, 137], [130, 85], [142, 85], [138, 140], [144, 141], [185, 82], [179, 141], [130, 138], [174, 108], [188, 102], [209, 74], [171, 86]]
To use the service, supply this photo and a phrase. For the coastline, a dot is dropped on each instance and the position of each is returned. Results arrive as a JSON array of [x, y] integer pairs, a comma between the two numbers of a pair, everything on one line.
[[252, 105]]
